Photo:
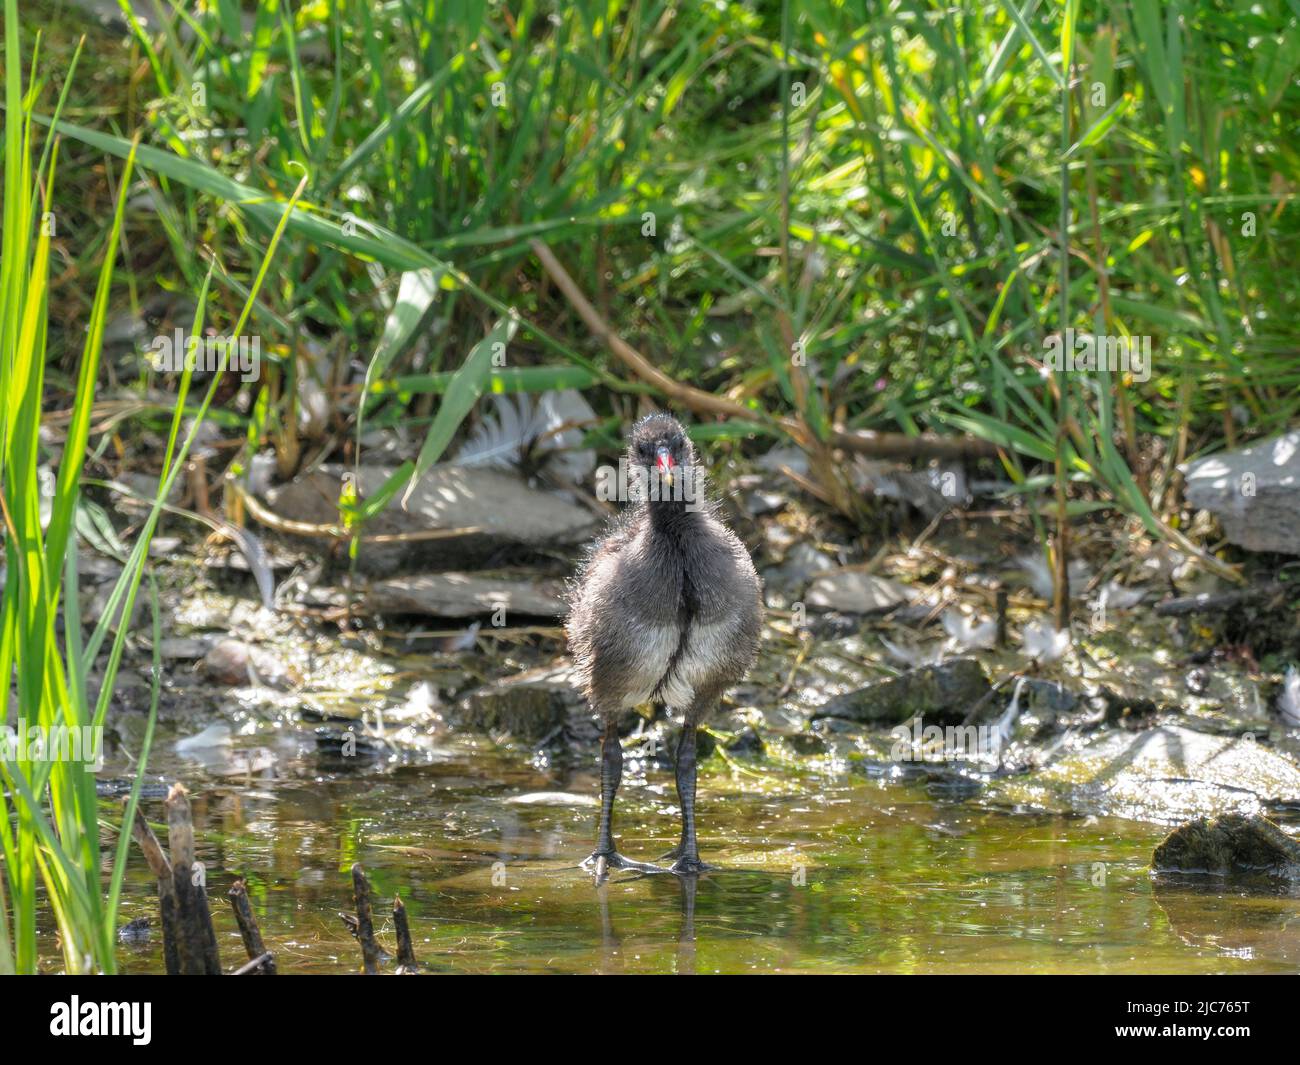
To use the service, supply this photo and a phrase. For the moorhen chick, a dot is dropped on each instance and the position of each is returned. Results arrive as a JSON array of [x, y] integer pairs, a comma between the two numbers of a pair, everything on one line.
[[667, 609]]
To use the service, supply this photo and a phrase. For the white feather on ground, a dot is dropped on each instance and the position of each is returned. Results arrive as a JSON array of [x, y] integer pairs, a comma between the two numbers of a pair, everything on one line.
[[1289, 700], [965, 633], [1039, 575], [551, 426], [912, 654], [1115, 596], [1044, 641]]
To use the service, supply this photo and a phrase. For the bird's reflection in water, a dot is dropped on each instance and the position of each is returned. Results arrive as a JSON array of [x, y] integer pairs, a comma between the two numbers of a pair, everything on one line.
[[686, 935], [611, 954], [611, 945]]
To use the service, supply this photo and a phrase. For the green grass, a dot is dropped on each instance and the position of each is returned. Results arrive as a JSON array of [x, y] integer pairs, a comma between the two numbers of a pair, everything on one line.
[[49, 813]]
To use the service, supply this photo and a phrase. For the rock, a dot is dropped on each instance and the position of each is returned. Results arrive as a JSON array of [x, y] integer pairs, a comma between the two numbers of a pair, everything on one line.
[[793, 458], [1253, 491], [931, 491], [1047, 698], [855, 592], [944, 694], [833, 626], [186, 648], [463, 595], [1167, 773], [227, 662], [746, 742], [1229, 844], [777, 539], [238, 664], [165, 546], [212, 738], [135, 932], [531, 712], [95, 569], [95, 606], [339, 749], [807, 743], [802, 562], [758, 502], [501, 505]]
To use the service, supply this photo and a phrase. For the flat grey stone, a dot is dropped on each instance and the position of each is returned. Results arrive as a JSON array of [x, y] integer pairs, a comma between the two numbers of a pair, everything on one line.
[[944, 694], [855, 592], [464, 595], [1253, 491], [1165, 774], [502, 506]]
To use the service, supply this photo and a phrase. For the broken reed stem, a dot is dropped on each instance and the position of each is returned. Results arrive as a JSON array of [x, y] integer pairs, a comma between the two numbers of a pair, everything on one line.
[[365, 929], [162, 871], [1064, 414], [1001, 608], [196, 939], [865, 442], [256, 965], [1221, 602], [264, 515], [405, 949], [249, 932]]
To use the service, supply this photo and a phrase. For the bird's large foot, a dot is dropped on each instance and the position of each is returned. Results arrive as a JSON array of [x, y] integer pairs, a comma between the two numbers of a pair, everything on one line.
[[601, 862], [690, 860], [687, 864]]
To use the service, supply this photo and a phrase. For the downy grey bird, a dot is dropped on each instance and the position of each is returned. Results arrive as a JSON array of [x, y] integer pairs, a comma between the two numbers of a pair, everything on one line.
[[667, 609]]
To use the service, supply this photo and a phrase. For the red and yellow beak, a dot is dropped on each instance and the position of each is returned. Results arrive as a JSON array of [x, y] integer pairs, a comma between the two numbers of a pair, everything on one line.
[[664, 462]]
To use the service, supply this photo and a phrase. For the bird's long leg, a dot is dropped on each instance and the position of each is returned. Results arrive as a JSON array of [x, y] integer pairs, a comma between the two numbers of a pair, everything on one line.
[[611, 775], [686, 751], [606, 855], [687, 852]]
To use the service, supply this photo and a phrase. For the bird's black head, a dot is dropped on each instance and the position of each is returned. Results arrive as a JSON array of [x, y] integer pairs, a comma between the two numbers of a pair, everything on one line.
[[660, 447]]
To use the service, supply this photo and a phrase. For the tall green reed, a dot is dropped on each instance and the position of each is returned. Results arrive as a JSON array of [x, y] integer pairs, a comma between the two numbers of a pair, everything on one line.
[[49, 811]]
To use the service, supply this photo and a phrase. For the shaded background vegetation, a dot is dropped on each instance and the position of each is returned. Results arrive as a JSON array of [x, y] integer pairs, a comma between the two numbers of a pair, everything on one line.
[[882, 184]]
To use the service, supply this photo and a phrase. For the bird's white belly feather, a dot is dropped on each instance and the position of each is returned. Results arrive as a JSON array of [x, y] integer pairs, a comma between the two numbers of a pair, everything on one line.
[[659, 644], [706, 646]]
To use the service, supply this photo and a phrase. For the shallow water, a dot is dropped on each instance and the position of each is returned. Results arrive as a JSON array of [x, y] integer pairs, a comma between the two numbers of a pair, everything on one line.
[[836, 873]]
